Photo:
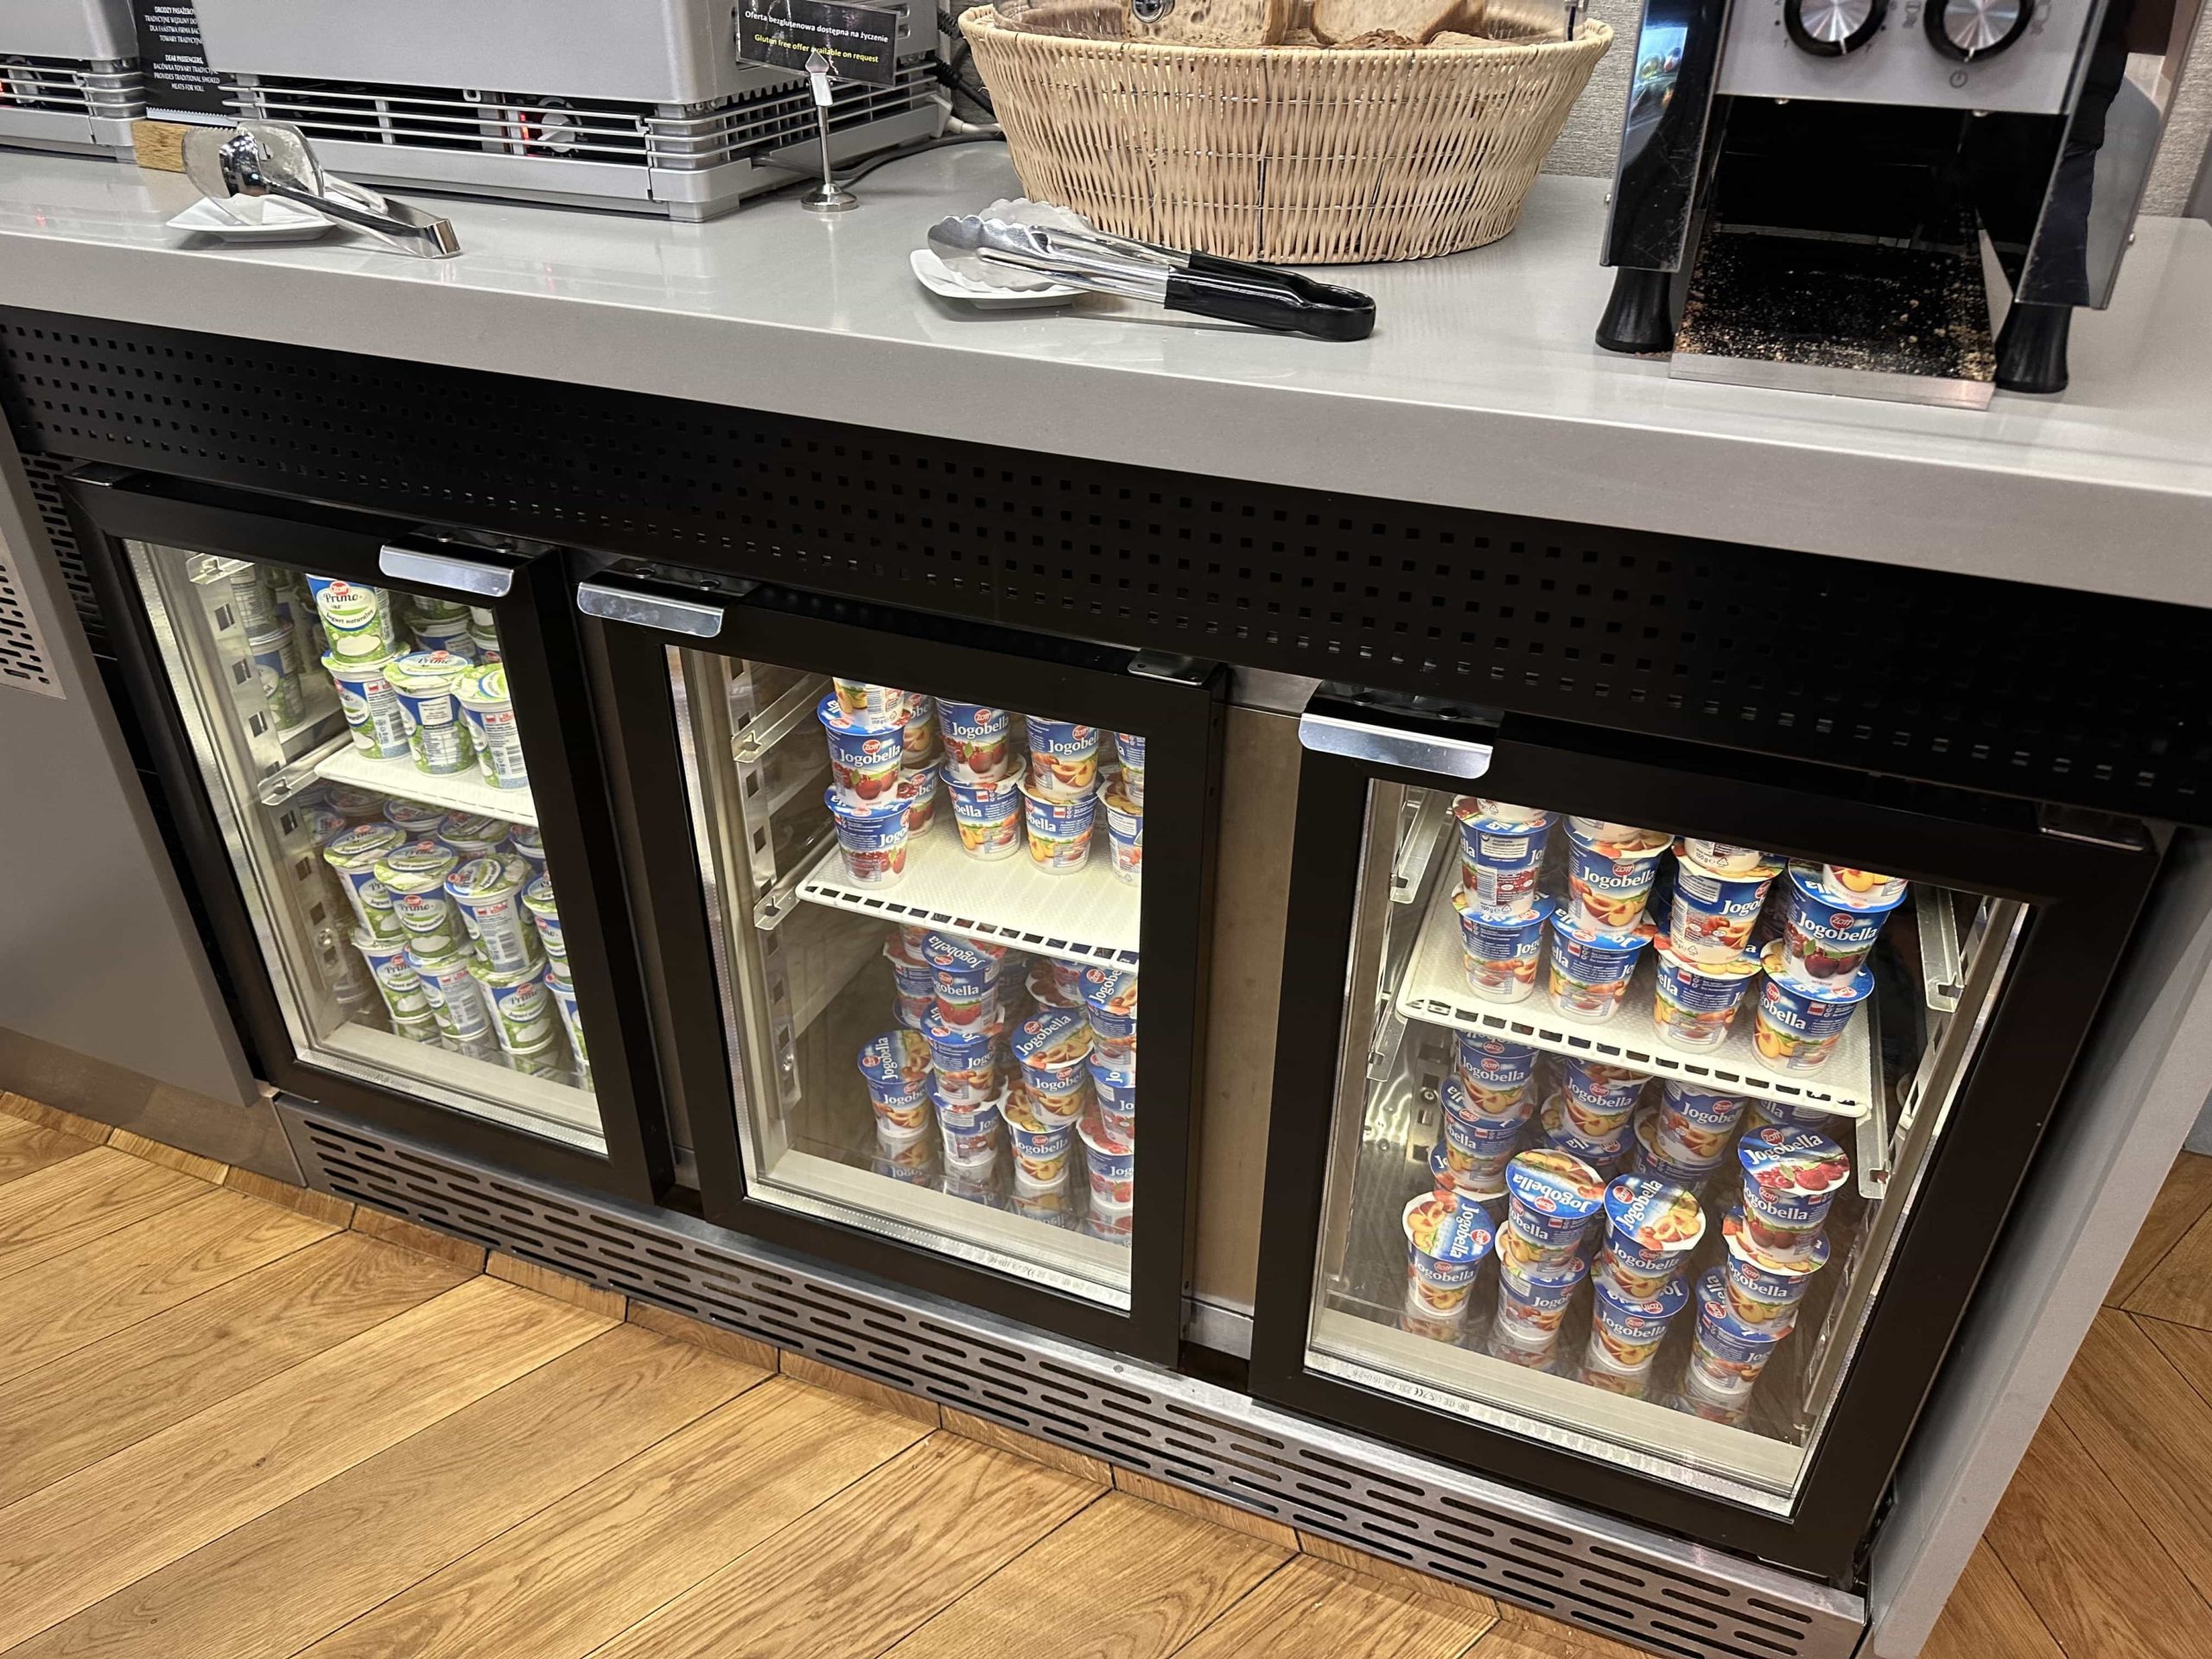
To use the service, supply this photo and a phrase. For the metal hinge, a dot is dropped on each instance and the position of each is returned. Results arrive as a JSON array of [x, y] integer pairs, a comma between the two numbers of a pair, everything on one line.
[[1171, 665]]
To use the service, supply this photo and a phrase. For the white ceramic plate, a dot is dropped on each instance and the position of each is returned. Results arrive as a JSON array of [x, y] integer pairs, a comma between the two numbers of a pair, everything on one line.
[[280, 221], [947, 283]]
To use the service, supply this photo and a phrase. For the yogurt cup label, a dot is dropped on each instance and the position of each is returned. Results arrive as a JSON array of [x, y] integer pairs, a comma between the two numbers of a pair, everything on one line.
[[978, 741], [1646, 1218], [895, 1066], [1555, 1195], [1063, 759], [1500, 859], [1057, 1037], [1609, 881], [1503, 948]]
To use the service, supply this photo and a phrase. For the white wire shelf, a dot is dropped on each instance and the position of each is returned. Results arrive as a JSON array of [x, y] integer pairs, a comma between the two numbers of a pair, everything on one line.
[[1435, 990], [459, 791], [1082, 916]]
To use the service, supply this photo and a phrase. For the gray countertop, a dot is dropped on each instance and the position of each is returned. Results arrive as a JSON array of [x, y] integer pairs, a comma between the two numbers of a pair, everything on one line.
[[1480, 387]]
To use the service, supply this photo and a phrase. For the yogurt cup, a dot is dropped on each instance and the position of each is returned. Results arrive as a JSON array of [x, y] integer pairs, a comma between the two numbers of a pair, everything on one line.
[[1474, 1144], [275, 655], [456, 1001], [523, 1014], [917, 736], [564, 1002], [1492, 1067], [1602, 1088], [1695, 1003], [1715, 912], [1500, 859], [1656, 1161], [963, 1059], [1700, 1397], [537, 898], [1502, 948], [1590, 972], [871, 839], [882, 705], [866, 750], [1652, 1226], [1109, 1004], [903, 1154], [1116, 1092], [1058, 829], [1597, 1371], [1052, 1202], [964, 976], [1114, 1222], [1552, 1198], [1596, 1123], [354, 856], [1446, 1242], [1610, 829], [1603, 1151], [1824, 937], [1693, 1106], [490, 712], [1484, 1116], [488, 894], [1124, 831], [1722, 859], [916, 988], [1533, 1299], [1861, 889], [1764, 1113], [971, 1131], [978, 743], [427, 683], [1727, 1353], [396, 981], [1040, 1147], [1765, 1286], [1531, 1350], [1063, 759], [356, 805], [253, 599], [528, 845], [987, 816], [918, 793], [472, 835], [414, 875], [1800, 1021], [1045, 991], [1632, 1282], [1052, 1048], [895, 1067], [1791, 1177], [1628, 1330], [419, 819], [1608, 881], [1694, 1144], [1112, 1158], [356, 618], [486, 643]]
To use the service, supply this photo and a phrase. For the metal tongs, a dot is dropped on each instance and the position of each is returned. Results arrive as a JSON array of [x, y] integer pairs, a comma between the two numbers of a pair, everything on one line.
[[1204, 284], [273, 158]]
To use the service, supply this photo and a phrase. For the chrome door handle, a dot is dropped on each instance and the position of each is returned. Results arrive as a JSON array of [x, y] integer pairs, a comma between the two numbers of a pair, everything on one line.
[[1391, 746], [684, 616], [444, 570]]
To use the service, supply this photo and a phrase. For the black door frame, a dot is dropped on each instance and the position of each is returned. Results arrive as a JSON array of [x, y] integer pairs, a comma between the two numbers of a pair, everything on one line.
[[2086, 889], [546, 677], [1180, 705]]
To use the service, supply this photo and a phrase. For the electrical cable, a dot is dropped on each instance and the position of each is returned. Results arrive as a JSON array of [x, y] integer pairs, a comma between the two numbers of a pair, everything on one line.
[[869, 166]]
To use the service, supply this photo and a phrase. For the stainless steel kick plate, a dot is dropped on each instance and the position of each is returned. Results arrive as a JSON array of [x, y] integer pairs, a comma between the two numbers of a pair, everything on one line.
[[1603, 1575]]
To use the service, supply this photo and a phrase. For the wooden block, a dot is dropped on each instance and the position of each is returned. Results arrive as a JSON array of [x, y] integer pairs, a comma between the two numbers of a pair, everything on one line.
[[153, 1152], [2183, 1201], [320, 1205], [1988, 1618], [1123, 1577], [1398, 1575], [561, 1286], [52, 1117], [875, 1561], [581, 1572], [684, 1328], [423, 1241], [361, 1538], [1206, 1508], [860, 1387], [86, 1536], [75, 1410], [159, 145], [27, 1147], [1312, 1607], [982, 1429], [82, 1295], [70, 1204]]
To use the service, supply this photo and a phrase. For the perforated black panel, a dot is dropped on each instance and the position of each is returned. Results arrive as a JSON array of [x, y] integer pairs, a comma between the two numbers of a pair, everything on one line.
[[2100, 703]]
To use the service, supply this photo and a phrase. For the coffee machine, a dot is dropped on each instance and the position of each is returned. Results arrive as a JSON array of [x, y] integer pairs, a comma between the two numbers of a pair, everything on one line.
[[1814, 194], [69, 76]]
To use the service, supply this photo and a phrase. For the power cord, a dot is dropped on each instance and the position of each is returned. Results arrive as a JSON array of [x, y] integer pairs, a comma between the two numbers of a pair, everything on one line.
[[900, 154]]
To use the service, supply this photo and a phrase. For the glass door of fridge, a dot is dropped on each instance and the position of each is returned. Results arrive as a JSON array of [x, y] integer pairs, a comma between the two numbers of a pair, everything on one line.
[[924, 864], [1633, 1108]]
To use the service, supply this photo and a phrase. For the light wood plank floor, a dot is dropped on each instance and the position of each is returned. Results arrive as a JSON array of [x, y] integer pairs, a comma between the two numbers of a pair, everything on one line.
[[233, 1427]]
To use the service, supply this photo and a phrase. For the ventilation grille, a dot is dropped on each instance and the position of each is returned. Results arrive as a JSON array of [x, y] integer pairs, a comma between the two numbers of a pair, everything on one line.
[[23, 660], [71, 86], [564, 129], [1603, 1576], [45, 475]]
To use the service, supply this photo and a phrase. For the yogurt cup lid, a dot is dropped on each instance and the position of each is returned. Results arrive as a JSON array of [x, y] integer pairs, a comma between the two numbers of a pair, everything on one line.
[[1463, 904], [1110, 990], [952, 950], [1734, 968], [1051, 1037], [487, 878], [1655, 1216], [365, 843], [1674, 1296], [473, 826], [429, 670], [1565, 923], [899, 1056], [487, 684], [1716, 1313], [838, 718], [1765, 870], [503, 978], [1641, 843], [526, 838], [1856, 987], [1801, 1264], [1793, 1162], [419, 866], [1811, 880], [1546, 1275], [1101, 1139], [1439, 1225], [887, 807], [1476, 815], [1555, 1182], [539, 896]]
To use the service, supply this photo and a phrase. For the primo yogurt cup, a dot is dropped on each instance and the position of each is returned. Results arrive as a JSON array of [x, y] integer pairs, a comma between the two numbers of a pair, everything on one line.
[[396, 980], [488, 892], [418, 819], [987, 816], [373, 717], [1827, 938], [1446, 1242], [871, 839], [471, 835], [522, 1008], [866, 750], [1554, 1196], [1503, 948], [1060, 828], [1765, 1286], [1063, 759], [355, 855], [564, 999], [1608, 881], [1500, 859], [356, 619], [454, 994], [415, 876], [545, 910], [427, 683], [1715, 911], [1790, 1177], [1800, 1021], [1590, 972], [490, 715], [1695, 1002]]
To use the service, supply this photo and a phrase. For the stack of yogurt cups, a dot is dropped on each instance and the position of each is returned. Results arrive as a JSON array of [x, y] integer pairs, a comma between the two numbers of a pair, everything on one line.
[[1591, 1114], [1652, 1227], [1502, 911], [1552, 1199], [1447, 1236], [878, 800], [1775, 1241], [1108, 1132], [1600, 933], [1819, 971], [1685, 1136], [1488, 1101]]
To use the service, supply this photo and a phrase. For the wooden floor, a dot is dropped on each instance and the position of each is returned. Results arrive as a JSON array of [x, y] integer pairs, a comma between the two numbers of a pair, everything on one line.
[[237, 1421]]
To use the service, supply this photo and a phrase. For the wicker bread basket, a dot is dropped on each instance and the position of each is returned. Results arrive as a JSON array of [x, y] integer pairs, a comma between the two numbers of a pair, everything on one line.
[[1297, 154]]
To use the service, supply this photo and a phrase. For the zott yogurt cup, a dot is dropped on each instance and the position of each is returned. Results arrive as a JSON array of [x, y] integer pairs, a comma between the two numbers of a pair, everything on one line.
[[1532, 1298], [987, 817], [395, 979], [978, 743], [1652, 1226], [1764, 1285], [1800, 1021], [866, 751], [418, 818], [1484, 1116], [1493, 1069], [1859, 887], [1727, 1353], [871, 840], [528, 845], [490, 712], [1598, 1370], [1109, 1003], [918, 792], [1446, 1242], [1502, 948], [1694, 1124], [374, 719], [1469, 1140], [1603, 1153], [1600, 1087], [1052, 1048], [1111, 1157], [564, 1000], [1608, 881], [1115, 1091], [1695, 1002], [1823, 936], [964, 976], [1500, 859], [963, 1059], [427, 683], [356, 618], [537, 898], [1791, 1176], [1723, 859], [883, 705], [455, 999], [916, 989], [1590, 972], [1656, 1161], [354, 856], [1059, 828], [917, 737], [1124, 831], [971, 1128], [1628, 1330], [1063, 759], [488, 894], [523, 1014], [1715, 911], [1552, 1198], [1041, 1145], [472, 835], [1610, 829], [895, 1067], [414, 875]]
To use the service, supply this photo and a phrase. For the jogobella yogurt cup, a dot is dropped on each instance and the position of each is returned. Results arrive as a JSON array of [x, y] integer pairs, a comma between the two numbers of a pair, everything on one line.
[[488, 894], [965, 975], [1723, 859], [1651, 1227], [917, 737], [1502, 948], [1112, 1158], [1052, 1048], [1800, 1021], [1500, 859], [354, 856], [1727, 1352], [1482, 1137], [1791, 1177], [1695, 1003], [1765, 1286], [1124, 832], [1629, 1329], [427, 683], [1602, 1088], [490, 715], [1040, 1147], [1860, 888], [1824, 937], [523, 1014], [1492, 1065], [918, 793], [1608, 881], [866, 751], [871, 839], [1554, 1196], [1596, 1123], [1603, 1153], [1063, 758], [1446, 1242], [374, 719], [1533, 1299], [883, 705], [987, 817], [1059, 829], [1656, 1161], [1116, 1092], [1109, 1002], [1715, 912], [1483, 1115], [978, 743], [1598, 1371], [916, 990], [971, 1128], [963, 1059], [895, 1067], [1633, 1282], [1590, 972], [1697, 1107]]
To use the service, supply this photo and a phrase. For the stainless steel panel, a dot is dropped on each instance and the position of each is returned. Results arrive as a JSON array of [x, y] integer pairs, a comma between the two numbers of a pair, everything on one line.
[[2035, 76], [68, 28]]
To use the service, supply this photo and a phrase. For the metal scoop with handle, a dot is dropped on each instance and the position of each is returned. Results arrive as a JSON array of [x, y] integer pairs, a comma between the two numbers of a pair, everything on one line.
[[272, 158]]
